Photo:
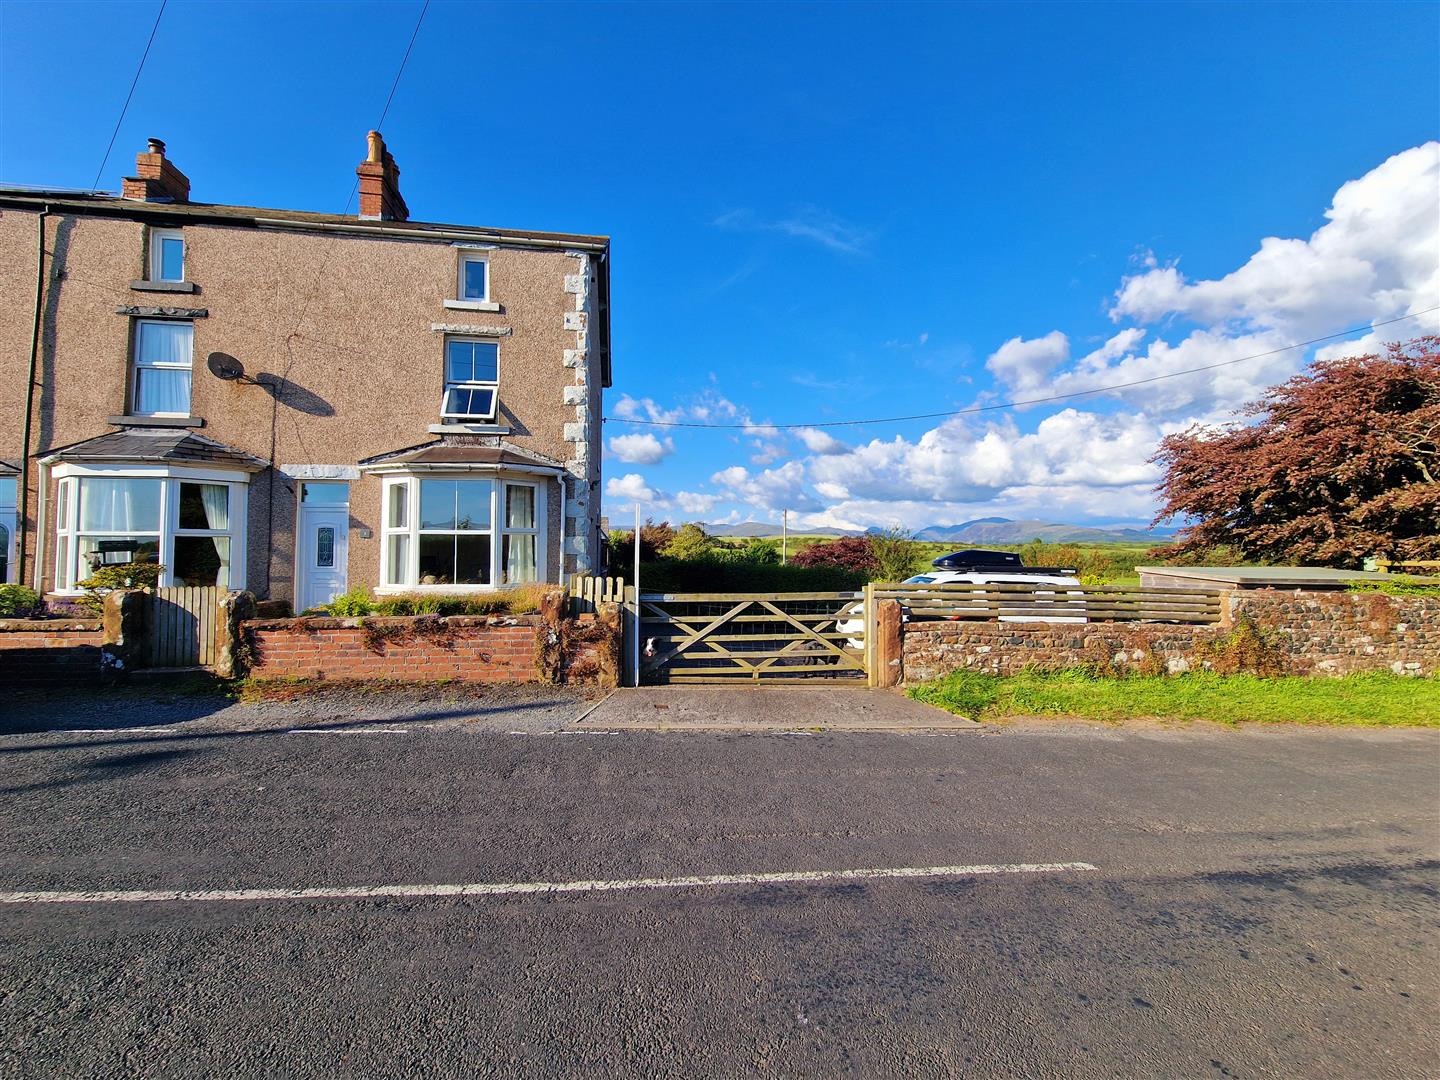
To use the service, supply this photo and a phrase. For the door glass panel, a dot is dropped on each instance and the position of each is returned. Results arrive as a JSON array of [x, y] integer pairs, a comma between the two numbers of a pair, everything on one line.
[[325, 494], [7, 491], [4, 554], [325, 546]]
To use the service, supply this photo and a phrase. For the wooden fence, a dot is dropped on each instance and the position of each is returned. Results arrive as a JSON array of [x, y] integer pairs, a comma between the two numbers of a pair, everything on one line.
[[180, 626], [1050, 603], [587, 592]]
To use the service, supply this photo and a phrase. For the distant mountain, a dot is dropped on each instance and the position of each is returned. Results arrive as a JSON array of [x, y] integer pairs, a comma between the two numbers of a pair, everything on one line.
[[1008, 531], [987, 530]]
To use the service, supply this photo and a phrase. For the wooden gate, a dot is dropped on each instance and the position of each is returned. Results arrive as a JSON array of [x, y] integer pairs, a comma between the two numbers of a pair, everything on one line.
[[180, 627], [749, 638]]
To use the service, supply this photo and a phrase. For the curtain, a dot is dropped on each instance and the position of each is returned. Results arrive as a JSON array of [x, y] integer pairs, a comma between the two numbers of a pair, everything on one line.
[[163, 342], [520, 512], [162, 390], [119, 505], [216, 498], [519, 559]]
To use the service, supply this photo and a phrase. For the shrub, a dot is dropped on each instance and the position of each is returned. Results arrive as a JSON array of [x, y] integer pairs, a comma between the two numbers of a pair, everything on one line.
[[896, 554], [691, 542], [352, 604], [854, 554], [1399, 585], [18, 602], [653, 540], [738, 574], [104, 581]]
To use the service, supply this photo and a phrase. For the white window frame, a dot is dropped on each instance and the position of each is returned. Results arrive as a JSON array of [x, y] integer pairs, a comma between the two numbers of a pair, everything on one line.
[[469, 257], [68, 478], [409, 575], [136, 366], [476, 384], [156, 262]]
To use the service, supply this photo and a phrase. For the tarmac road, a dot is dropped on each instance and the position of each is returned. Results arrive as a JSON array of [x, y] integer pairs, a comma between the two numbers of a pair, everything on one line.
[[1263, 903]]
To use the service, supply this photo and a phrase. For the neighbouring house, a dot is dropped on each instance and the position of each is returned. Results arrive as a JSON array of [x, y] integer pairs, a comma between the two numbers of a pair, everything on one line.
[[295, 403]]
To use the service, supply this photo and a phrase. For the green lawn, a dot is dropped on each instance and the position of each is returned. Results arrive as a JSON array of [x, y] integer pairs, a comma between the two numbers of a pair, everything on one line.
[[1373, 700]]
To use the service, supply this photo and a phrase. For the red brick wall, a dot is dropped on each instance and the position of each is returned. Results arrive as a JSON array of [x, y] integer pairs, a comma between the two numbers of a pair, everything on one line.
[[46, 651], [470, 648]]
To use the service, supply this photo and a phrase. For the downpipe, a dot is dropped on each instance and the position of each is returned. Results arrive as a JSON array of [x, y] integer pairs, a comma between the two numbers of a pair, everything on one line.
[[24, 506]]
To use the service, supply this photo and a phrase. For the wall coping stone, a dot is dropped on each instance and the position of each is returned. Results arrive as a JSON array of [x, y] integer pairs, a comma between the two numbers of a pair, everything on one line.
[[327, 622], [47, 626]]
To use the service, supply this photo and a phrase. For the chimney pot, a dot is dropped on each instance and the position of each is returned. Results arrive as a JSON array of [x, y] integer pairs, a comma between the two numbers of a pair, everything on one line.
[[157, 146]]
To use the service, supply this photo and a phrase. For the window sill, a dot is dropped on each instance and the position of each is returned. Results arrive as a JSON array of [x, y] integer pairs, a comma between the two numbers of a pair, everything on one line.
[[473, 305], [459, 428], [400, 590], [155, 421], [164, 286]]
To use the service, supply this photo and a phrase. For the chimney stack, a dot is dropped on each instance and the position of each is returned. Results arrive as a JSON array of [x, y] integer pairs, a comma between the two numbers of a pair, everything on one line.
[[380, 184], [155, 179]]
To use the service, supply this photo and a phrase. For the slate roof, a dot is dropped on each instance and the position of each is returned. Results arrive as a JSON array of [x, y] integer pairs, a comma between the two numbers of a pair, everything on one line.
[[155, 445], [459, 454], [9, 467], [220, 213]]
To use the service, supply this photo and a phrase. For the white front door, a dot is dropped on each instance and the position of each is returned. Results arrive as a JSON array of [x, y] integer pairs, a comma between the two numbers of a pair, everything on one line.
[[324, 544]]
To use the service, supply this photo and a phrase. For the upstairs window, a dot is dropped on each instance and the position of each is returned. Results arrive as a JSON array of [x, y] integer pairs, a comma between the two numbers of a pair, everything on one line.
[[474, 278], [167, 255], [472, 379], [161, 385]]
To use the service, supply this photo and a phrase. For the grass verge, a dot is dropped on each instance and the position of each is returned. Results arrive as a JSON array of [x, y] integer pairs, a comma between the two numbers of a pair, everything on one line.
[[1375, 700]]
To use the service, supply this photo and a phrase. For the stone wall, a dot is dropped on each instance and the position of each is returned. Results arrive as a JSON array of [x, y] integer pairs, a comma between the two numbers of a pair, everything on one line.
[[1337, 633], [38, 652], [1313, 632]]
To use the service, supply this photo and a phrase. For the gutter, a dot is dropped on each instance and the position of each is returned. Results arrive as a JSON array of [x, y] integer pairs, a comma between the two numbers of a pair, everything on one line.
[[427, 234], [24, 506]]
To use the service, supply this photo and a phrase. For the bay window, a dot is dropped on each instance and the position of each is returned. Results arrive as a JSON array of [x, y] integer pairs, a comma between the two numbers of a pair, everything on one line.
[[193, 526], [465, 532]]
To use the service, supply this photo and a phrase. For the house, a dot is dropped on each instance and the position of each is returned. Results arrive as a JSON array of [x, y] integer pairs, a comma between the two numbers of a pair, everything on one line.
[[295, 403]]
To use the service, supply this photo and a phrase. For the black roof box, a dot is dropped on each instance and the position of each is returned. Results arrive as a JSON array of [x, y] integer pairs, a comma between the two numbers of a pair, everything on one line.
[[979, 559]]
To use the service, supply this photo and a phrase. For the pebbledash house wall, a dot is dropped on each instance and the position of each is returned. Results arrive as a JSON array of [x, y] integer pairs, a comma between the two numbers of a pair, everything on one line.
[[1314, 632], [355, 324]]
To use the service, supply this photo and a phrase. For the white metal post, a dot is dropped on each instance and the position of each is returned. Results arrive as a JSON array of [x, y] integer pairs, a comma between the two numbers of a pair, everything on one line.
[[635, 644]]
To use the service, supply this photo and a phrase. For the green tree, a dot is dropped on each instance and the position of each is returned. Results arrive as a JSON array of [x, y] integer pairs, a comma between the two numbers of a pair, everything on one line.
[[896, 554], [690, 542]]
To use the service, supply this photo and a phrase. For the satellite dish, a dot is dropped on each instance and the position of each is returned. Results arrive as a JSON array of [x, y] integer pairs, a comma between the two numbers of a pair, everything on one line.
[[226, 367]]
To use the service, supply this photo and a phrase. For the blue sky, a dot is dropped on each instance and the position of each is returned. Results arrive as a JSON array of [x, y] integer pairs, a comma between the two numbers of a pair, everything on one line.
[[823, 212]]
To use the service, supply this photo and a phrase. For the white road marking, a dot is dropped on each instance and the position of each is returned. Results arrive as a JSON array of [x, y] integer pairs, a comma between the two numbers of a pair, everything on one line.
[[368, 892], [348, 731]]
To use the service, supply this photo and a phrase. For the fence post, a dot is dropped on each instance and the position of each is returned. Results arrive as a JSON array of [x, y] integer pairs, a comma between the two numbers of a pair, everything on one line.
[[870, 679]]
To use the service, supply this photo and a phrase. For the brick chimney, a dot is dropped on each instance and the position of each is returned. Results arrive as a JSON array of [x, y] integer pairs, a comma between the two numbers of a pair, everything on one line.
[[380, 184], [155, 179]]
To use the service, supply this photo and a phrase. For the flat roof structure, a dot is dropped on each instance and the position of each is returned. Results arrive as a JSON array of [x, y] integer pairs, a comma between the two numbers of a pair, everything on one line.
[[1263, 577]]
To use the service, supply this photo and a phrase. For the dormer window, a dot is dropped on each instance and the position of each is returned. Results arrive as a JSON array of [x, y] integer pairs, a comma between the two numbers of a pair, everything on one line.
[[167, 255], [472, 379], [474, 277]]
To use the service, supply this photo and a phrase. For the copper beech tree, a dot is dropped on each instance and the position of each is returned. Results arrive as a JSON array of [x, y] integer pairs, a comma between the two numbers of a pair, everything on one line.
[[1337, 464]]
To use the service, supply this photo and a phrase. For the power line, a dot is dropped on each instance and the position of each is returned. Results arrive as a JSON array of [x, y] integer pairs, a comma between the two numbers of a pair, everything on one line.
[[1028, 401], [95, 186]]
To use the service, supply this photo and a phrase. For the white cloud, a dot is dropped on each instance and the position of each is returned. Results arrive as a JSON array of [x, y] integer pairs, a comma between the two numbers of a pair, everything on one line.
[[629, 408], [821, 442], [641, 449], [1024, 365], [631, 487], [1376, 257], [771, 489], [806, 223]]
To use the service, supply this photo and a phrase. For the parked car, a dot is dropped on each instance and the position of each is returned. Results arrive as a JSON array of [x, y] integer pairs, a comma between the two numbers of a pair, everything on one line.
[[980, 567]]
